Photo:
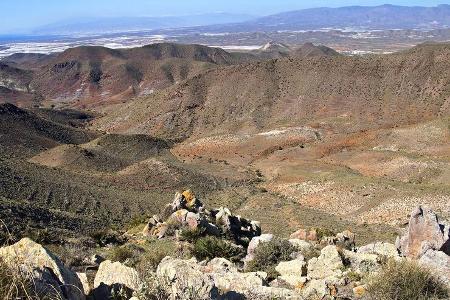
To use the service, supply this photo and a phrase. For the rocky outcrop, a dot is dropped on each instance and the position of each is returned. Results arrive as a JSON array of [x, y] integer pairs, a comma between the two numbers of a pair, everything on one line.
[[218, 279], [49, 273], [424, 232], [187, 212]]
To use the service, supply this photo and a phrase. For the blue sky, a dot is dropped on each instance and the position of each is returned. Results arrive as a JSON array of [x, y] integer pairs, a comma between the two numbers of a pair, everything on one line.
[[20, 15]]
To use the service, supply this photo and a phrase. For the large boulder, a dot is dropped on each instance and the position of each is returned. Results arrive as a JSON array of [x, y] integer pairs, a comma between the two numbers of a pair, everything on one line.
[[293, 272], [49, 273], [328, 264], [439, 263], [424, 232], [112, 277], [184, 277]]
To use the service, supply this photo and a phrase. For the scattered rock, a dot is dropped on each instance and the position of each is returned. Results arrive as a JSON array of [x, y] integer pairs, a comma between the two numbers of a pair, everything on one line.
[[424, 232], [48, 271]]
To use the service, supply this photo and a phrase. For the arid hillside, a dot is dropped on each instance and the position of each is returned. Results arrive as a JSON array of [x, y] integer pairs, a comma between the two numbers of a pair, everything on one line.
[[99, 78], [322, 140], [366, 92]]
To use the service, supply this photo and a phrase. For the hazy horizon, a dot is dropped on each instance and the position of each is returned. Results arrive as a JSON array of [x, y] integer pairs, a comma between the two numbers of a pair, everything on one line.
[[25, 16]]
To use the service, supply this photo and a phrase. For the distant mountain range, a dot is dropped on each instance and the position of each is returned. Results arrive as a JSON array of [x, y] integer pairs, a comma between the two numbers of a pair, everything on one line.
[[121, 24], [364, 17], [354, 17]]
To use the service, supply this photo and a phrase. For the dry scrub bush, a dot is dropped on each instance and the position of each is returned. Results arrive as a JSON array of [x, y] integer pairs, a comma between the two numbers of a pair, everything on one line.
[[405, 280], [20, 284], [210, 247], [269, 254]]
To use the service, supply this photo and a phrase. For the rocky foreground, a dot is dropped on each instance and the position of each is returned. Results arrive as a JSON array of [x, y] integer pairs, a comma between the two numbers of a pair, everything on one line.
[[232, 259]]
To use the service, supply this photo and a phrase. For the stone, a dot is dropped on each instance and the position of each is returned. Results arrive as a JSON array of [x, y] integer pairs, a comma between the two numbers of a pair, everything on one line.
[[266, 292], [48, 271], [306, 235], [264, 238], [328, 264], [115, 276], [178, 217], [345, 239], [301, 245], [179, 202], [424, 232], [381, 249], [439, 263], [160, 230], [362, 262], [359, 291], [85, 282], [192, 203], [193, 220], [321, 288], [292, 272], [184, 276]]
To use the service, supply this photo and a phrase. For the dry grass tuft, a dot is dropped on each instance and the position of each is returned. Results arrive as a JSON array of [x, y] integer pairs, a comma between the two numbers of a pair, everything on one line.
[[406, 280]]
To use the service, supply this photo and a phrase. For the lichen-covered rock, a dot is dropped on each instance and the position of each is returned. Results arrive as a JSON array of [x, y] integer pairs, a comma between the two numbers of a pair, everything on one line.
[[439, 263], [48, 271], [424, 232], [381, 249], [293, 272], [184, 277], [328, 264], [114, 276]]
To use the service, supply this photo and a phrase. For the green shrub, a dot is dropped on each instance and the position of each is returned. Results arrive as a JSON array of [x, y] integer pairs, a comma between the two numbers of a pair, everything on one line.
[[324, 232], [192, 235], [107, 237], [155, 251], [121, 254], [405, 280], [269, 254], [210, 247]]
